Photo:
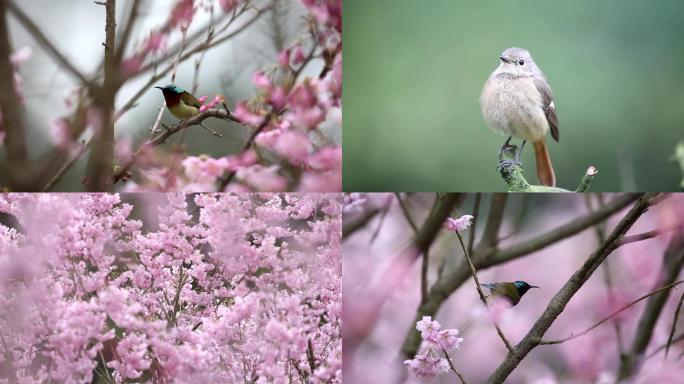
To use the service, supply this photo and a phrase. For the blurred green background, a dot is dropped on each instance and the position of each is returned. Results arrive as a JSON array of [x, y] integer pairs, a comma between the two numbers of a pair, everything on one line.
[[414, 71]]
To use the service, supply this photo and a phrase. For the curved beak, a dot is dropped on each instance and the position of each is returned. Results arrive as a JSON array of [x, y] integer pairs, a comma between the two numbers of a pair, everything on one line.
[[534, 286], [506, 60], [159, 87]]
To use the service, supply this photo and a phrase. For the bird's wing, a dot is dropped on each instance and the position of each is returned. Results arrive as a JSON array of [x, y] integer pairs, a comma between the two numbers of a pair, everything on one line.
[[190, 100], [548, 105]]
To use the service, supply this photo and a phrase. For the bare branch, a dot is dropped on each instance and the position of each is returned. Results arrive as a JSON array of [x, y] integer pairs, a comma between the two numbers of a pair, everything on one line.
[[43, 41], [101, 160], [452, 279], [12, 122], [612, 315], [351, 226], [561, 299], [490, 237], [451, 366], [673, 261], [473, 226], [162, 137], [482, 295], [674, 325]]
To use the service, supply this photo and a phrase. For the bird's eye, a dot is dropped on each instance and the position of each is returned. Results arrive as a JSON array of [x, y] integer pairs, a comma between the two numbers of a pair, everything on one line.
[[521, 62]]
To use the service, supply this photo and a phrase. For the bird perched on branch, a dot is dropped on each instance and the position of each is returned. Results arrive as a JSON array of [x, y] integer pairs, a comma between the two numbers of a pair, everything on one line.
[[182, 104], [517, 101], [510, 291]]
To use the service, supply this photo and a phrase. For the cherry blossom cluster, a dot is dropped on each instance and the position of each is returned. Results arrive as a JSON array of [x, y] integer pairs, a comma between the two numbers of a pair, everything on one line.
[[287, 117], [212, 288], [433, 357]]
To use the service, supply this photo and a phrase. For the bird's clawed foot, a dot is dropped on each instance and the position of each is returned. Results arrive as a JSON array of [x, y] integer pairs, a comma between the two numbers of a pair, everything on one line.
[[506, 165], [512, 149]]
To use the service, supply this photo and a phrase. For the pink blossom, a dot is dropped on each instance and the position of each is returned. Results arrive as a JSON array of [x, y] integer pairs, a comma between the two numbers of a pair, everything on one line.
[[278, 98], [298, 55], [261, 81], [244, 114], [459, 224], [427, 365], [262, 178], [448, 340], [428, 328], [20, 56], [290, 144], [228, 5], [284, 58], [182, 14], [132, 65], [156, 41], [201, 293]]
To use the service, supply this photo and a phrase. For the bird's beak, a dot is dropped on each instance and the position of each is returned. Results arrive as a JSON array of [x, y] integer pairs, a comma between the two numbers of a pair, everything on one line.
[[159, 87], [505, 59], [534, 286]]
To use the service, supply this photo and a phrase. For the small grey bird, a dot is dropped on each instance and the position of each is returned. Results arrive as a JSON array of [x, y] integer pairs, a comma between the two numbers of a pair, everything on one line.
[[517, 101]]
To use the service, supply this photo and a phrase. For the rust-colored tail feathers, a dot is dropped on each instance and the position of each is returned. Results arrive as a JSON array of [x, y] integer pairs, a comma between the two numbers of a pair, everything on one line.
[[544, 168]]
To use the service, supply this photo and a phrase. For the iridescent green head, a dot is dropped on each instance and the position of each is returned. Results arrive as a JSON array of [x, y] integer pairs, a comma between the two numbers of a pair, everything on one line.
[[523, 287], [171, 88]]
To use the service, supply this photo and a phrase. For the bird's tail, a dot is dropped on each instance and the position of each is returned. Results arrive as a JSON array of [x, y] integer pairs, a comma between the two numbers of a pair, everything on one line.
[[545, 172]]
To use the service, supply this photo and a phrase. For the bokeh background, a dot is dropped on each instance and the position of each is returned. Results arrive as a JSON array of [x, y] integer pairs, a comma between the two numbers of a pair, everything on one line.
[[374, 250], [414, 71]]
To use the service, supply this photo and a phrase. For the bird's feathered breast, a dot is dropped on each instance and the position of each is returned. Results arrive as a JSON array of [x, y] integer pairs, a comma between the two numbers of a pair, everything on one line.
[[504, 290], [172, 98]]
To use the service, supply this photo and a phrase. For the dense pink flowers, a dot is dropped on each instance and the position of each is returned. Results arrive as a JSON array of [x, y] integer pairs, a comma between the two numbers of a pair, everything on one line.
[[431, 359], [291, 120], [211, 288]]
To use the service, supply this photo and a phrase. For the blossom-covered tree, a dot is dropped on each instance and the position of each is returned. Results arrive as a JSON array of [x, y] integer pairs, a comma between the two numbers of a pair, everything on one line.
[[609, 268], [283, 136], [209, 288]]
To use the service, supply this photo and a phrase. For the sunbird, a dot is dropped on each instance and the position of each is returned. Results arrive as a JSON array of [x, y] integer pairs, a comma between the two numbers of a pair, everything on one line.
[[510, 291], [182, 104]]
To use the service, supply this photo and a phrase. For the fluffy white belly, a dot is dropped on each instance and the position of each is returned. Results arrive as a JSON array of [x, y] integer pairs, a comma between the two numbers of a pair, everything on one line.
[[513, 107]]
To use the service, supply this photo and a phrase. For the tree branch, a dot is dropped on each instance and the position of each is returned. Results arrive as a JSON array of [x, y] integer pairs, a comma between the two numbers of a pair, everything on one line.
[[673, 261], [612, 315], [490, 237], [43, 41], [561, 299], [100, 168], [674, 325], [11, 122], [482, 295], [452, 279], [166, 133]]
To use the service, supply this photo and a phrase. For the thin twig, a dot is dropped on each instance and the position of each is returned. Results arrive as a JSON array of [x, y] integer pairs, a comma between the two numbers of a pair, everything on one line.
[[600, 230], [569, 289], [486, 257], [451, 366], [482, 295], [473, 226], [385, 211], [162, 137], [674, 325], [615, 313], [426, 257], [42, 40]]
